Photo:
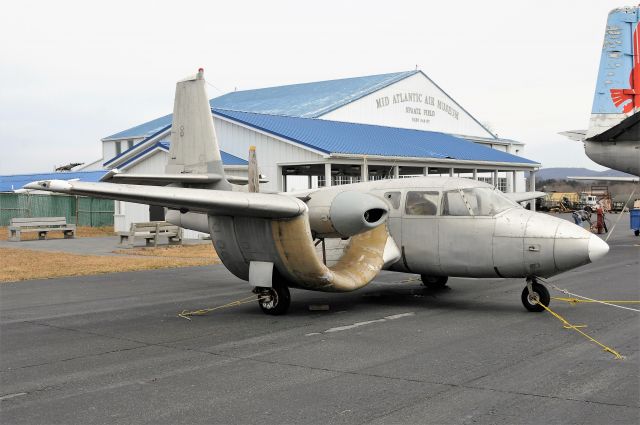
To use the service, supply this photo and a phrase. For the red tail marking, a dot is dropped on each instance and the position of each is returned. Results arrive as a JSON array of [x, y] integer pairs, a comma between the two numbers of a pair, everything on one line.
[[620, 96]]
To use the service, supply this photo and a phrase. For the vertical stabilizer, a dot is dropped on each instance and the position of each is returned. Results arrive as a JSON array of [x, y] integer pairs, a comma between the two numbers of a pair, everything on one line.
[[617, 94], [194, 146]]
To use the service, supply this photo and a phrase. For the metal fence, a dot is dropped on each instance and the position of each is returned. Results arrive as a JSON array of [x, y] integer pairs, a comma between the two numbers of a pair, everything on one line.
[[80, 210]]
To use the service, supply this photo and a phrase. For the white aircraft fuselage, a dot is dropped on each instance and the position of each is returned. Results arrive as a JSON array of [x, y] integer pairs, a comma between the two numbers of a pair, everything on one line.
[[500, 240], [621, 155]]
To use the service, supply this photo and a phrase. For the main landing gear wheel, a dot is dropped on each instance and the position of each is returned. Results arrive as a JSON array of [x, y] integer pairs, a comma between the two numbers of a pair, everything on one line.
[[540, 293], [434, 282], [274, 301]]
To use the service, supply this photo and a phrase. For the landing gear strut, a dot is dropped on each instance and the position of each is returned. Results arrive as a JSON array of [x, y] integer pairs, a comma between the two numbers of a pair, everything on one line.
[[533, 293], [434, 282], [274, 301]]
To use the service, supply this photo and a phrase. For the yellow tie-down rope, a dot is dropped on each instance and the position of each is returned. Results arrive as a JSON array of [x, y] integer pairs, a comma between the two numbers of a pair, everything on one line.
[[575, 298], [187, 314], [201, 312], [568, 325]]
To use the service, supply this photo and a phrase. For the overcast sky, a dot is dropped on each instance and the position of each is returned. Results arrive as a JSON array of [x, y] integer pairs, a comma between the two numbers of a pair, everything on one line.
[[74, 72]]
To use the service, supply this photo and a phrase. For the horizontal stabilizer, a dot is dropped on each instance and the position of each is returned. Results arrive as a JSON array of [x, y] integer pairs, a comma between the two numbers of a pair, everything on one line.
[[214, 202], [524, 196], [577, 135], [114, 176]]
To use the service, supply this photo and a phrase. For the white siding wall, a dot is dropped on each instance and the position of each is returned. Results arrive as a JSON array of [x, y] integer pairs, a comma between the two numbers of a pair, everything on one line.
[[135, 213], [379, 108], [236, 140], [521, 182], [108, 150], [501, 148]]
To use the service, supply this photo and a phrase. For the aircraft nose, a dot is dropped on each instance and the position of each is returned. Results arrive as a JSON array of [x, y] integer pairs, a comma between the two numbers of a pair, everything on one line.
[[597, 248], [575, 246]]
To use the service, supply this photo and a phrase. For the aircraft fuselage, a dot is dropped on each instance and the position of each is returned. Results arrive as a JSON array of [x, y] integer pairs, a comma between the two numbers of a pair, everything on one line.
[[621, 155], [513, 242]]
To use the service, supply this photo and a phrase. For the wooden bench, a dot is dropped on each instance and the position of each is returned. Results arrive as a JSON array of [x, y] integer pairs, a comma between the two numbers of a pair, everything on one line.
[[42, 225], [150, 231]]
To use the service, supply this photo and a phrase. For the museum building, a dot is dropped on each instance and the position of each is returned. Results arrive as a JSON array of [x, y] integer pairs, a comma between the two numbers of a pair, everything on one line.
[[333, 132]]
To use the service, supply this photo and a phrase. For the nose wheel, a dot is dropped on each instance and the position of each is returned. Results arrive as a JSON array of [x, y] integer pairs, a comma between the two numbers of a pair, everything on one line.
[[533, 294], [274, 301]]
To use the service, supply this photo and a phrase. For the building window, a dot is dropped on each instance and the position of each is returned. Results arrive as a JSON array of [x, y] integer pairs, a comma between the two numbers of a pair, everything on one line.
[[502, 184], [118, 148], [129, 144]]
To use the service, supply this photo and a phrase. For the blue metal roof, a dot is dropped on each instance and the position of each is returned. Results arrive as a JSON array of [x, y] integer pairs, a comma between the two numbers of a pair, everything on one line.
[[143, 130], [227, 158], [333, 137], [309, 100], [16, 181]]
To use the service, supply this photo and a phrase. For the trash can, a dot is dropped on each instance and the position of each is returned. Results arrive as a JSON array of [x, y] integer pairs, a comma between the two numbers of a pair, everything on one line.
[[634, 219]]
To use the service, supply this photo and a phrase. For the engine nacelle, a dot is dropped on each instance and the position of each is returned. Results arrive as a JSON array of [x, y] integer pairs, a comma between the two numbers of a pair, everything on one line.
[[189, 220], [345, 214]]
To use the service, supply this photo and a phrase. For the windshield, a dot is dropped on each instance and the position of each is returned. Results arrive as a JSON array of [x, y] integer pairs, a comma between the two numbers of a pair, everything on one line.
[[487, 201]]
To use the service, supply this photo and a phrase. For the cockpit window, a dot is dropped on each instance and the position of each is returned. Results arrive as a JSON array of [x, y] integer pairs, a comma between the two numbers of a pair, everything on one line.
[[477, 201], [453, 204], [421, 203], [484, 201]]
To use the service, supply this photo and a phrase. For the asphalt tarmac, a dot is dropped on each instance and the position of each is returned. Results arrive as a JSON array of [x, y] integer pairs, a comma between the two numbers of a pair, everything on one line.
[[111, 349]]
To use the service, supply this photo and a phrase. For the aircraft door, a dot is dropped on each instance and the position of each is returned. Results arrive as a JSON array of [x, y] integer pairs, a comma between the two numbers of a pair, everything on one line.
[[466, 238], [420, 232]]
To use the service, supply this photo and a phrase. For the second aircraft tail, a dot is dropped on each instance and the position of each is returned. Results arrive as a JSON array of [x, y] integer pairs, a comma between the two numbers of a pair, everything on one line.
[[617, 93]]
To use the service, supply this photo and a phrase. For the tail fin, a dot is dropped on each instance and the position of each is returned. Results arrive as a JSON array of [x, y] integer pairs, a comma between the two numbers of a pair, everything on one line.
[[617, 94], [194, 146]]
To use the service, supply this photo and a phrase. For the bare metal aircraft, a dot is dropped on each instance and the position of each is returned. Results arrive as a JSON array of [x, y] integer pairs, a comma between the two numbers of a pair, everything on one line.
[[613, 137], [433, 226]]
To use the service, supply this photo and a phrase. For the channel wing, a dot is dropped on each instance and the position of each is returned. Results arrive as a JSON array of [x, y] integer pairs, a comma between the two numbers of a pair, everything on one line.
[[215, 202]]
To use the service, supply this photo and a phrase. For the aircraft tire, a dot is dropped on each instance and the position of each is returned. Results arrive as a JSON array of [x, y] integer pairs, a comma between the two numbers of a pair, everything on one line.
[[434, 281], [543, 296], [279, 302]]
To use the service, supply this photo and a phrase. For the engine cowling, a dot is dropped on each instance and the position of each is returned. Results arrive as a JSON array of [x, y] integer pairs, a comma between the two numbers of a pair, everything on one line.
[[345, 214]]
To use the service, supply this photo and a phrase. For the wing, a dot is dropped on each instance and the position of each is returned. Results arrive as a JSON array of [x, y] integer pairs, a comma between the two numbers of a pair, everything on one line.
[[606, 179], [524, 196], [215, 202]]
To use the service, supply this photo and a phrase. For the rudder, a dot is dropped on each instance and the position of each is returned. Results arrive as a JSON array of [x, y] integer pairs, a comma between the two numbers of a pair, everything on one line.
[[194, 146]]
